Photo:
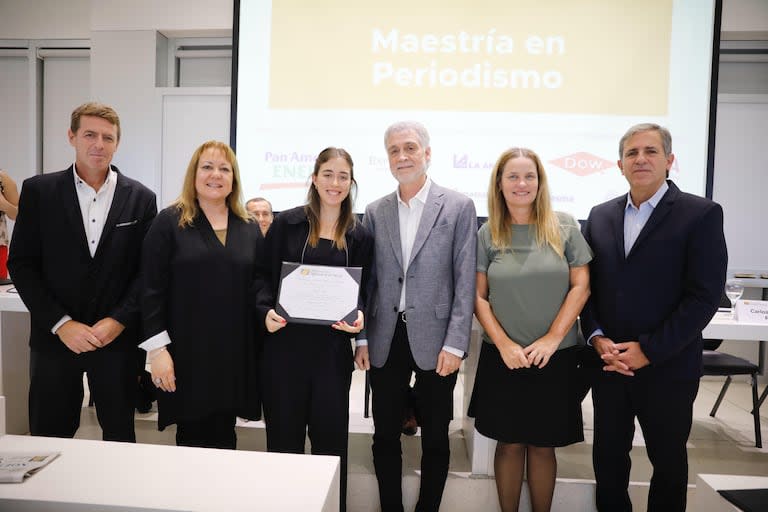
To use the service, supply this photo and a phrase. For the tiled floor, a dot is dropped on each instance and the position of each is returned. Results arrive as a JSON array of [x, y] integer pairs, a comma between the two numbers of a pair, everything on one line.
[[724, 444]]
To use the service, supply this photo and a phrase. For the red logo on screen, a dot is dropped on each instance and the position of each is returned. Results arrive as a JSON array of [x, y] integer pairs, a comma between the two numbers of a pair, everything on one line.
[[583, 164]]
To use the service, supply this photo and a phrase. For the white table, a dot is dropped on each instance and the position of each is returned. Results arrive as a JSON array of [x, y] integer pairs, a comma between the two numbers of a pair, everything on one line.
[[14, 360], [481, 449], [100, 475], [11, 301], [724, 327], [706, 497]]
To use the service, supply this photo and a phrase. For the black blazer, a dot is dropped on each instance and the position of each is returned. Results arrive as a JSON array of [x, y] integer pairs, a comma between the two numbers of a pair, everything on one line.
[[666, 290], [52, 267], [203, 294]]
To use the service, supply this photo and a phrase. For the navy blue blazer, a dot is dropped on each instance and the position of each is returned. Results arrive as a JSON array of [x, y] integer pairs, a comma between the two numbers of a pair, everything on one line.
[[666, 290]]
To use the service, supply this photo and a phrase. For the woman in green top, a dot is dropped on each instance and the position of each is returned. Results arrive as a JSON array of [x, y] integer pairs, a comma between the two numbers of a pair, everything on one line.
[[532, 281]]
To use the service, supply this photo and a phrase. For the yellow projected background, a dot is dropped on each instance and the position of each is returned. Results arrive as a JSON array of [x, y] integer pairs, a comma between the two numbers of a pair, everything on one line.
[[523, 56]]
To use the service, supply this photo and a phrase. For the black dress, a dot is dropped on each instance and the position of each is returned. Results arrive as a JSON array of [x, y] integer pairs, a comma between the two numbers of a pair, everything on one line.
[[307, 369], [203, 294]]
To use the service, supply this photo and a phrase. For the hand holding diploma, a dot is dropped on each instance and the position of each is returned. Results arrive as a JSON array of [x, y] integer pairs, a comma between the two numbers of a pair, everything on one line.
[[356, 326], [274, 322]]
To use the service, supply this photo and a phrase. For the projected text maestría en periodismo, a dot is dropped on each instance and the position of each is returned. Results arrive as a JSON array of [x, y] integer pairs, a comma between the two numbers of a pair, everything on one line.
[[438, 72]]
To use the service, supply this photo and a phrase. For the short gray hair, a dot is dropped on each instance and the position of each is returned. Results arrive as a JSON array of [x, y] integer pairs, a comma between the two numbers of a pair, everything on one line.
[[666, 137], [401, 126]]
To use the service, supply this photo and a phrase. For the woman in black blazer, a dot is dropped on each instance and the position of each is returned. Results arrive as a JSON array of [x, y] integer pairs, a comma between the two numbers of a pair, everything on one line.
[[307, 369], [200, 262]]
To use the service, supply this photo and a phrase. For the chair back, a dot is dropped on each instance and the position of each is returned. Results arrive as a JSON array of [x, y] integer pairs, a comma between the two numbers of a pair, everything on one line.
[[713, 344]]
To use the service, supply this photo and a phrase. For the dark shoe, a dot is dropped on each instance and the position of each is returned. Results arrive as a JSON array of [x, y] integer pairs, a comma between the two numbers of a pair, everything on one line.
[[410, 426], [145, 393]]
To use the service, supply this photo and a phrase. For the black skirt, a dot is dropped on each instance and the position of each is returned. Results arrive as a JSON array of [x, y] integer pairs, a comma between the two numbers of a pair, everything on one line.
[[540, 407]]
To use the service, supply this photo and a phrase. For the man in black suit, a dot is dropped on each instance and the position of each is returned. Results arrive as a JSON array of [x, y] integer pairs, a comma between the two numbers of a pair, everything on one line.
[[74, 259], [657, 277]]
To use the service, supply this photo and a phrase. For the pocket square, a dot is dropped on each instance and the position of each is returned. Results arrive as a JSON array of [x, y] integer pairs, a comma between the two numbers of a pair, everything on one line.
[[129, 223]]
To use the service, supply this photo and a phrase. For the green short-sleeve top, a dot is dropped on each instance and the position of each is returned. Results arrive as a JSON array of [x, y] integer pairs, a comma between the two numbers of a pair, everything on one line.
[[527, 284]]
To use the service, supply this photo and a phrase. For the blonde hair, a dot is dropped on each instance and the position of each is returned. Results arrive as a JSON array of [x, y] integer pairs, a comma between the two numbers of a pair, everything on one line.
[[544, 218], [347, 219], [187, 202]]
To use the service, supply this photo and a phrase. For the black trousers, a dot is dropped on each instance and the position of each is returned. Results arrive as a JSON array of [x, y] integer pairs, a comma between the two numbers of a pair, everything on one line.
[[214, 431], [664, 409], [56, 392], [390, 387], [306, 375]]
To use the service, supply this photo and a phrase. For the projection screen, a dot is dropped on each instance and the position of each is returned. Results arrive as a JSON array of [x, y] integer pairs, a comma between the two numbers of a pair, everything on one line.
[[563, 78]]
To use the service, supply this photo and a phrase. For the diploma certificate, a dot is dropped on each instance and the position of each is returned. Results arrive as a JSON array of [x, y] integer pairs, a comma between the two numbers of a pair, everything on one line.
[[318, 294]]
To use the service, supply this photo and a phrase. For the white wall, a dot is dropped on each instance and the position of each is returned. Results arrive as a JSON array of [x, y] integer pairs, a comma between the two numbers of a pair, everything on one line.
[[740, 181], [45, 19], [75, 19], [17, 128], [186, 17], [123, 39], [745, 16], [66, 82], [123, 76]]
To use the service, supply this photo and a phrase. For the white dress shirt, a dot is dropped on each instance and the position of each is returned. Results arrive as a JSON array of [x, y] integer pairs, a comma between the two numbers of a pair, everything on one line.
[[409, 215]]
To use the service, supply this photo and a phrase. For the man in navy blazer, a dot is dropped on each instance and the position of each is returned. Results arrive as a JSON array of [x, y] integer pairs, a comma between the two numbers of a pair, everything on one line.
[[420, 304], [657, 277], [74, 259]]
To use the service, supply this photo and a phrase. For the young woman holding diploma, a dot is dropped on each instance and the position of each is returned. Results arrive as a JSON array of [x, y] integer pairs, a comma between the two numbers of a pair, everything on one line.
[[307, 369]]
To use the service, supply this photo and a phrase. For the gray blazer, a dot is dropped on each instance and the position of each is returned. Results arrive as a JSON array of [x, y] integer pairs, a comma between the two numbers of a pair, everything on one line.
[[440, 295]]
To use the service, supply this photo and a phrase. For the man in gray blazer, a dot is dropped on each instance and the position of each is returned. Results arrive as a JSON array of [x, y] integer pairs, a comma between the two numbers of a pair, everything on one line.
[[420, 303]]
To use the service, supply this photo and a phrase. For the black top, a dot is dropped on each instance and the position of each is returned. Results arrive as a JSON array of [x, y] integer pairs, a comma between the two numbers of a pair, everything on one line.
[[324, 254], [203, 293], [287, 241]]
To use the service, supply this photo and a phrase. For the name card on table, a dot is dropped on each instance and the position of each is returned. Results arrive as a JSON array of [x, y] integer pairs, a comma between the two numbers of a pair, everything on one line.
[[752, 311]]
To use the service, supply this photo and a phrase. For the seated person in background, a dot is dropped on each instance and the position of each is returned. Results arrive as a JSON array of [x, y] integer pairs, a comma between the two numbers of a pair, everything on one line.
[[9, 202], [261, 210]]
